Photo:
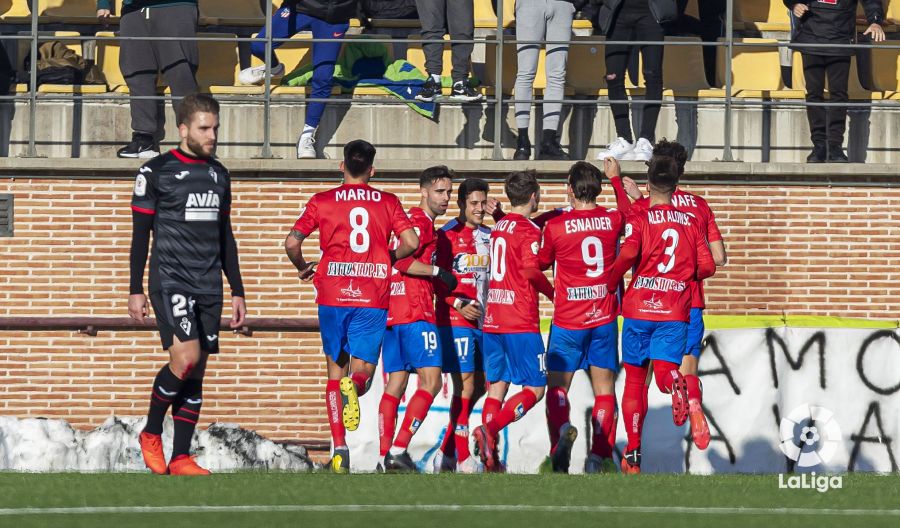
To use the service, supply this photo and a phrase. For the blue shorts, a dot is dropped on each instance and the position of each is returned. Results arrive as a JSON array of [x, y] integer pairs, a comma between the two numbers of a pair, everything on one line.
[[571, 350], [515, 358], [411, 346], [461, 349], [355, 331], [646, 340], [695, 333]]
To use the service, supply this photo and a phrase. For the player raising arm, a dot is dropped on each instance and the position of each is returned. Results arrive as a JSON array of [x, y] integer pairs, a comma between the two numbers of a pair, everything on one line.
[[699, 208], [352, 281], [656, 306]]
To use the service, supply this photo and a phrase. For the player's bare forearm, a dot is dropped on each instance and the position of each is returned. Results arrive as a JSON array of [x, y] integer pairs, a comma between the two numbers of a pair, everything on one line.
[[719, 255], [419, 269], [293, 246]]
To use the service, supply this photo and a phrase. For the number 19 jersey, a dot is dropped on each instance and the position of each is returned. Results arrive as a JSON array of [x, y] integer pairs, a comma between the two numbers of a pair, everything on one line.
[[355, 222]]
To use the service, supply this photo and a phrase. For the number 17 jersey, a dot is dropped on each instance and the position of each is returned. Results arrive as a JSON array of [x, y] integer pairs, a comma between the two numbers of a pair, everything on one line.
[[355, 222]]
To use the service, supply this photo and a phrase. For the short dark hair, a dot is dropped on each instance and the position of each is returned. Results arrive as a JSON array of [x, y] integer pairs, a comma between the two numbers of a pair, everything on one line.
[[433, 174], [663, 173], [674, 150], [196, 102], [520, 186], [358, 157], [584, 179], [469, 186]]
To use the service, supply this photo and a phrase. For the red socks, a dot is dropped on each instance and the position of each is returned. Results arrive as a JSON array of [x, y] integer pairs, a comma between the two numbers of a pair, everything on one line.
[[490, 409], [604, 419], [557, 413], [634, 404], [662, 373], [362, 382], [387, 422], [461, 435], [415, 414], [448, 446], [335, 420], [515, 408], [695, 392]]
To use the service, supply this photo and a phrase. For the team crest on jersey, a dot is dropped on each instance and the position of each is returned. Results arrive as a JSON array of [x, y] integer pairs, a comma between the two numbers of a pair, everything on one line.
[[140, 185], [627, 230], [535, 247], [185, 325], [213, 175]]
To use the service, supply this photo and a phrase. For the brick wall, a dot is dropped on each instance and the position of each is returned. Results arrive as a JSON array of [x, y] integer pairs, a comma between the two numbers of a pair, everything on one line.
[[796, 250]]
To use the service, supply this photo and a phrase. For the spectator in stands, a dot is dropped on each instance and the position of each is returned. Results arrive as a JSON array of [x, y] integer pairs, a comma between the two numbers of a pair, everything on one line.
[[624, 20], [142, 60], [829, 22], [542, 20], [327, 19], [439, 17]]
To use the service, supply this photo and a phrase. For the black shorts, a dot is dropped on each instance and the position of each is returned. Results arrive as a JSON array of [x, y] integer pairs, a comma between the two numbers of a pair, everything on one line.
[[188, 316]]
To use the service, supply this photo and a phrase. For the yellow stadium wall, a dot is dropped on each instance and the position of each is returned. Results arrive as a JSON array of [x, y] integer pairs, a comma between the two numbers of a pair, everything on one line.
[[793, 250]]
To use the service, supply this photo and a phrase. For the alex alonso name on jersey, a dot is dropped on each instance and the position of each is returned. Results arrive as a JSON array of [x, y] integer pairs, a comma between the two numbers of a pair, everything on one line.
[[202, 207]]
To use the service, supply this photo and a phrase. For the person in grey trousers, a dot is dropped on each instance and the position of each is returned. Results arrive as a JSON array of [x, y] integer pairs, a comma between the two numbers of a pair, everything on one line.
[[438, 18], [142, 60], [549, 20]]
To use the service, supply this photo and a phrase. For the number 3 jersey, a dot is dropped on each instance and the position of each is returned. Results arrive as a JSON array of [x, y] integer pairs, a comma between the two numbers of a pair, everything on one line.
[[412, 298], [582, 245], [512, 303], [671, 245], [355, 222], [466, 252], [189, 197]]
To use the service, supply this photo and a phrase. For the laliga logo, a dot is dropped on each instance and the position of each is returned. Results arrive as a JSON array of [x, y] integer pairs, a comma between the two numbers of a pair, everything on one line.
[[809, 435]]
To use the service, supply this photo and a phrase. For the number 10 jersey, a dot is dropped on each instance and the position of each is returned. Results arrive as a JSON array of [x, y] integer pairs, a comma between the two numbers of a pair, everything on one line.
[[355, 222]]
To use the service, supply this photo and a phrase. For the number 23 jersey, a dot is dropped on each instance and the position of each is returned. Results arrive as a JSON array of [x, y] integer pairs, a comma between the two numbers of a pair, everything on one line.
[[355, 222]]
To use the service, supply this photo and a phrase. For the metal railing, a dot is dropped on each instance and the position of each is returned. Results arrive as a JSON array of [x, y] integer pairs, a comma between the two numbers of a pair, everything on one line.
[[91, 325], [496, 103]]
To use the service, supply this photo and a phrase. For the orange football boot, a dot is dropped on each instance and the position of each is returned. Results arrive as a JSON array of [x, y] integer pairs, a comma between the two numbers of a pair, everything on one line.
[[151, 448], [699, 427], [631, 462], [187, 466]]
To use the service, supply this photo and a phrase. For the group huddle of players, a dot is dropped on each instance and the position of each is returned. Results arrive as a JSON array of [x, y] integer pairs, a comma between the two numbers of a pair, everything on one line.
[[462, 299]]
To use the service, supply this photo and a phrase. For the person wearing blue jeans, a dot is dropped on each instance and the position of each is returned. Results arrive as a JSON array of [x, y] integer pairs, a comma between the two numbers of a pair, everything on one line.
[[326, 19]]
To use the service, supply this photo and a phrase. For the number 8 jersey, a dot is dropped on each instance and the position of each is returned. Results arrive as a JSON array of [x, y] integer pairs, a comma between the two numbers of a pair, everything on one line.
[[355, 223], [671, 246]]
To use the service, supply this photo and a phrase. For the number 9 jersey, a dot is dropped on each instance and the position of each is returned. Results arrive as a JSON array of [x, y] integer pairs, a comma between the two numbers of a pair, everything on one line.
[[355, 223]]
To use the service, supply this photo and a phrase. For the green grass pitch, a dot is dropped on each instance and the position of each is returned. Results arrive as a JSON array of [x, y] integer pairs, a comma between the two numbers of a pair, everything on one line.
[[468, 501]]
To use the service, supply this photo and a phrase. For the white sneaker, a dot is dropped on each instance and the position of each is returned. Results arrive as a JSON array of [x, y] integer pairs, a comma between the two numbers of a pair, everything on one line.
[[643, 150], [256, 75], [470, 465], [306, 147], [618, 149], [443, 464]]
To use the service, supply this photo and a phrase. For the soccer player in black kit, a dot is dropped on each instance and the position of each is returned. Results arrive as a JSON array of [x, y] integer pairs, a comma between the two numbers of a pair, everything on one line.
[[184, 198]]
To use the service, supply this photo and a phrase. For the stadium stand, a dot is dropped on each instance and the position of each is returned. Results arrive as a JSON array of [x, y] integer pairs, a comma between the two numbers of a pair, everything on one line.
[[763, 15], [886, 69], [753, 69], [15, 11], [855, 89], [232, 13], [68, 11], [485, 18]]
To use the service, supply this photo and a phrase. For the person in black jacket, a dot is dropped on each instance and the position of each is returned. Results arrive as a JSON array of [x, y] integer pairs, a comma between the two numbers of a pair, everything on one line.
[[624, 20], [327, 19], [829, 22]]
